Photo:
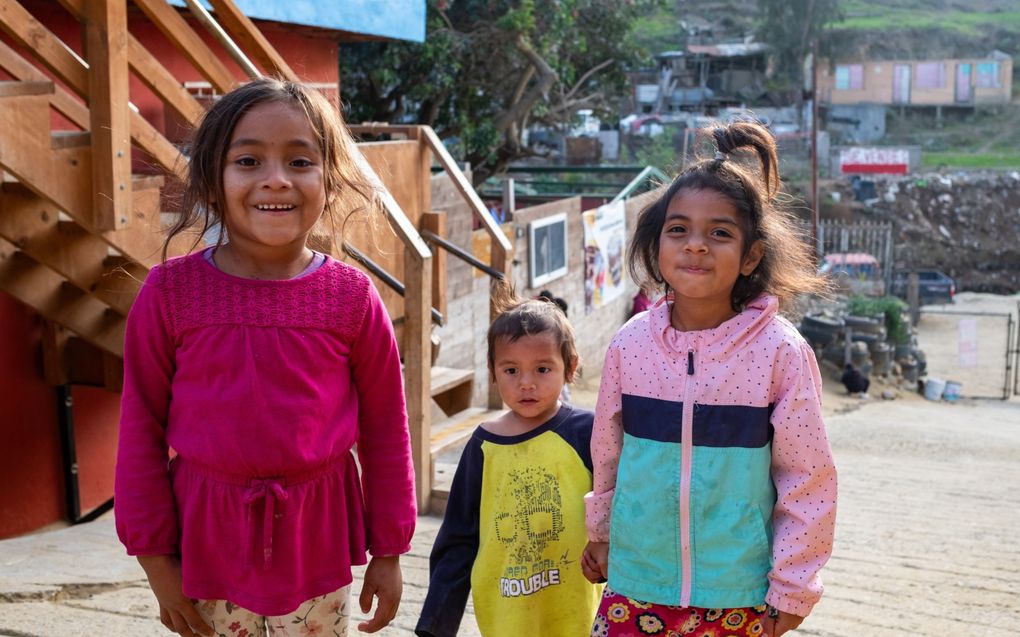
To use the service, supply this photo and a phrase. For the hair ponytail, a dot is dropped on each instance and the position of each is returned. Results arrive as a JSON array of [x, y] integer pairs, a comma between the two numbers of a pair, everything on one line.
[[787, 267]]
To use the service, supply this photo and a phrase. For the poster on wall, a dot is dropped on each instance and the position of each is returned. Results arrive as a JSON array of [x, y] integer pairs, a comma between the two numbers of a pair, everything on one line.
[[547, 249], [604, 238]]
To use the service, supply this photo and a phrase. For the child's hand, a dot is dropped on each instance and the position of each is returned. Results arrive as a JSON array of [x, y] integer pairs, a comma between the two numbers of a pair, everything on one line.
[[781, 623], [383, 580], [595, 562], [176, 611]]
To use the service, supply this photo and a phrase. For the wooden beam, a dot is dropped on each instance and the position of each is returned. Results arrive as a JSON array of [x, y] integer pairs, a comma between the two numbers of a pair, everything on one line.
[[113, 373], [250, 39], [106, 37], [155, 76], [158, 147], [142, 132], [55, 363], [436, 222], [32, 224], [65, 103], [417, 368], [181, 35], [12, 89], [24, 29], [46, 292], [150, 71]]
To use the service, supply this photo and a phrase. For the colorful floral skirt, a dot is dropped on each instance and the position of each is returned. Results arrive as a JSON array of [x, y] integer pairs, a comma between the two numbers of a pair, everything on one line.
[[620, 616]]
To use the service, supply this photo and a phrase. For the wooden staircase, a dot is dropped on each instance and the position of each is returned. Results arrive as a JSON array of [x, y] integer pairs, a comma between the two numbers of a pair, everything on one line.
[[79, 231], [49, 259]]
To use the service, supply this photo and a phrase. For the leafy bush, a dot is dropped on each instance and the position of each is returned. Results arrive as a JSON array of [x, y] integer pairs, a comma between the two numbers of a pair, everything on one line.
[[889, 306]]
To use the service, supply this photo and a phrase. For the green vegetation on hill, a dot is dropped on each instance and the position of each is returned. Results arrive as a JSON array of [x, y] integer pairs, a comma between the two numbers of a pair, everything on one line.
[[872, 16]]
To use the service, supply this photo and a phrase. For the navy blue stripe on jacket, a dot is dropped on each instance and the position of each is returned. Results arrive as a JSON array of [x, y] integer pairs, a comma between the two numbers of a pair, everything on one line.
[[714, 425]]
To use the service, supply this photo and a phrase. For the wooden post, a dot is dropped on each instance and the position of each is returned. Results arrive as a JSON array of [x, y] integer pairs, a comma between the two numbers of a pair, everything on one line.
[[54, 353], [435, 221], [418, 368], [109, 117], [500, 261]]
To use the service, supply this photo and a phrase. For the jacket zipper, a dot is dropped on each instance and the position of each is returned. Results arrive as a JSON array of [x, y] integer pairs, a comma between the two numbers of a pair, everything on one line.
[[686, 453]]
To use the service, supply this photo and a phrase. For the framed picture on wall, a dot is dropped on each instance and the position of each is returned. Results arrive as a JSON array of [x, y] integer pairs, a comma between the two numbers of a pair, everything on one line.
[[547, 249]]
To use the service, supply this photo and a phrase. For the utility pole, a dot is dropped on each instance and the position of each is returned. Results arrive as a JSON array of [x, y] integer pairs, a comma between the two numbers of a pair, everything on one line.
[[814, 145]]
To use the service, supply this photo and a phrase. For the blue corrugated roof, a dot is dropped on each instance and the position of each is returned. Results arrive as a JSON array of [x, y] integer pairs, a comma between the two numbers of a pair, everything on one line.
[[399, 19]]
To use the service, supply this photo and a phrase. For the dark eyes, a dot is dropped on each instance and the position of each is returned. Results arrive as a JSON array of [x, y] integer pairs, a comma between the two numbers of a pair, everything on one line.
[[715, 232], [251, 162]]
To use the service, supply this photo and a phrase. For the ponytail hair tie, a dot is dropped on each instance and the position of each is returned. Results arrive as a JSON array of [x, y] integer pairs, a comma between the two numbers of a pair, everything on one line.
[[720, 156]]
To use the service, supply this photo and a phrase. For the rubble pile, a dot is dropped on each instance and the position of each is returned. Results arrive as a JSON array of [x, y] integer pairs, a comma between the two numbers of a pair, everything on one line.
[[966, 224]]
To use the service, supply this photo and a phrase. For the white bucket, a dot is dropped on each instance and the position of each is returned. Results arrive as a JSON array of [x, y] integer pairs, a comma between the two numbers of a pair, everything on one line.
[[933, 388], [952, 390]]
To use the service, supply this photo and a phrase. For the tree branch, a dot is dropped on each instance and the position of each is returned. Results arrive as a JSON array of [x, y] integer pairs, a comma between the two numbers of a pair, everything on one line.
[[584, 78], [546, 78]]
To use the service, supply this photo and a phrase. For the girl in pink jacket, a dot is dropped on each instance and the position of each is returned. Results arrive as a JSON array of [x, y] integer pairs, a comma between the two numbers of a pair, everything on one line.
[[714, 494]]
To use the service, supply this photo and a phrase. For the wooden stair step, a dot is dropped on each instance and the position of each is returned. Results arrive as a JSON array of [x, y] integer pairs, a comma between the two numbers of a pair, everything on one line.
[[52, 239], [70, 138], [448, 435], [42, 289], [11, 89], [455, 430], [446, 378], [451, 388], [64, 177]]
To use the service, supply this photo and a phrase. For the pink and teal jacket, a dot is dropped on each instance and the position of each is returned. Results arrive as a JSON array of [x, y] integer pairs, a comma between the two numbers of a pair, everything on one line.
[[714, 483]]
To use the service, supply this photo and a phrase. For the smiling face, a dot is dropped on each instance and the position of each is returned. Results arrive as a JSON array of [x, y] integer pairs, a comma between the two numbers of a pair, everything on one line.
[[701, 250], [529, 374], [273, 182]]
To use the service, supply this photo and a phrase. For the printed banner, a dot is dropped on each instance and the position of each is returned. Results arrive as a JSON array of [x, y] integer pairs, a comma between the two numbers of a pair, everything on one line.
[[894, 161], [605, 235]]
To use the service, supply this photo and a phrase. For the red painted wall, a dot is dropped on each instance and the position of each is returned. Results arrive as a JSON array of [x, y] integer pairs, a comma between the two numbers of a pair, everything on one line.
[[31, 487], [31, 480]]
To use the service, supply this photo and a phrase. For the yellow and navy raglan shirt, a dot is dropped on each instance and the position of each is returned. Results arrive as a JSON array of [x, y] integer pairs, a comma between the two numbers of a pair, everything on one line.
[[513, 535]]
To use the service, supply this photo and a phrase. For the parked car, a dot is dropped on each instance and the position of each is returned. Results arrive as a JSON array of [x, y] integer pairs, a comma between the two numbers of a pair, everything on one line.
[[933, 286], [854, 273]]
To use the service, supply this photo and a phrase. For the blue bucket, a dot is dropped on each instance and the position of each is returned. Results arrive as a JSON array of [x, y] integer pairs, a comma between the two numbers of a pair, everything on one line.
[[952, 391]]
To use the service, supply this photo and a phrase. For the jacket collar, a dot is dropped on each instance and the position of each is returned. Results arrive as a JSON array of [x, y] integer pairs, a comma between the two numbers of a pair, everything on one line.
[[718, 342]]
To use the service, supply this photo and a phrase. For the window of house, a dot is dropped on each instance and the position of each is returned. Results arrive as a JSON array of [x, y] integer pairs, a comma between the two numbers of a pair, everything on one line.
[[930, 75], [987, 75], [849, 77]]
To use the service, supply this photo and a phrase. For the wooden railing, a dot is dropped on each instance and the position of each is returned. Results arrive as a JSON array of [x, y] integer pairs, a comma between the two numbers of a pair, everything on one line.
[[501, 254]]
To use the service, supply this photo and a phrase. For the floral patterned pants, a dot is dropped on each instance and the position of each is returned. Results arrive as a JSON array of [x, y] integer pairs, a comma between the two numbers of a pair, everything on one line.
[[620, 616], [323, 616]]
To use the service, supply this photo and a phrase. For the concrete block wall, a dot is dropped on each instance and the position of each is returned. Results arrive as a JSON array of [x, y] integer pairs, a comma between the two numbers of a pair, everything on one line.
[[463, 337]]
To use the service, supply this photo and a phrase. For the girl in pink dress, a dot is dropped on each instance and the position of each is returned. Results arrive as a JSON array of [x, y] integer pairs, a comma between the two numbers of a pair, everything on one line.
[[258, 364]]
